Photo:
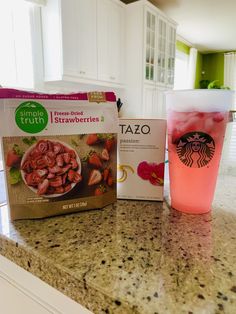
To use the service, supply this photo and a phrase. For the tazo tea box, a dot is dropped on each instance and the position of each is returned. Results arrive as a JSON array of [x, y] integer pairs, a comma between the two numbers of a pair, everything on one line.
[[141, 153], [59, 151]]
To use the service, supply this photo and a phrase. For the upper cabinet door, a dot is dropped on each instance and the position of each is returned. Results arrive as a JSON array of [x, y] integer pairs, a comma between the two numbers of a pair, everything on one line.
[[161, 51], [69, 37], [79, 40], [150, 46], [83, 41], [171, 38], [87, 38], [110, 35]]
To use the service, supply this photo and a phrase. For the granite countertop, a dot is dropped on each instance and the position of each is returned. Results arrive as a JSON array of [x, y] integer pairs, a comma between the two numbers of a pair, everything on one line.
[[134, 256]]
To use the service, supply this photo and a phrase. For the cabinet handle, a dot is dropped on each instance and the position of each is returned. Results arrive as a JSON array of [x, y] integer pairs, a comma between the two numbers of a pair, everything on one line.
[[82, 72], [112, 78]]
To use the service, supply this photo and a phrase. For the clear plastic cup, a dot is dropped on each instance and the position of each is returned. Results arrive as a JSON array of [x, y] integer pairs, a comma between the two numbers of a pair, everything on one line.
[[196, 121]]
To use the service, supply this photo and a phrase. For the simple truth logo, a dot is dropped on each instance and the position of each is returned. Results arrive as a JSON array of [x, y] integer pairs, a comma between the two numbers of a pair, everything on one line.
[[31, 117]]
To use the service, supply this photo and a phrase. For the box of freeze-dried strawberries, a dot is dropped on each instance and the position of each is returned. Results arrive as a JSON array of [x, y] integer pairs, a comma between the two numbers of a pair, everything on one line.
[[59, 151]]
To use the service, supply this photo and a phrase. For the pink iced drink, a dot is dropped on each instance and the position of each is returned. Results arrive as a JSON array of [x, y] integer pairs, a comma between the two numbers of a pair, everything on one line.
[[195, 141]]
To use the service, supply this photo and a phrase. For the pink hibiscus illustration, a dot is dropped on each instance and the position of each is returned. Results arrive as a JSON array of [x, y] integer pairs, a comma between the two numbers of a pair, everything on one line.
[[151, 171]]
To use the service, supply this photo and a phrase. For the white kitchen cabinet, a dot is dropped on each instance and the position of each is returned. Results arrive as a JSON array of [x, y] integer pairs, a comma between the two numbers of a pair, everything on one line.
[[21, 292], [16, 64], [82, 40], [111, 27], [152, 98], [149, 100], [12, 299], [161, 51], [79, 44], [170, 56], [150, 55], [151, 46], [160, 37], [69, 40]]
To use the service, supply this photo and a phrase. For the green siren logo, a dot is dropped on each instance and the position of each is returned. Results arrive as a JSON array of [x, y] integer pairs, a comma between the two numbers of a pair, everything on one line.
[[31, 117]]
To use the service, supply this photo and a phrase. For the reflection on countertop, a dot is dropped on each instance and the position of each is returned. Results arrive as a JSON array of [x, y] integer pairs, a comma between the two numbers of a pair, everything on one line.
[[134, 256]]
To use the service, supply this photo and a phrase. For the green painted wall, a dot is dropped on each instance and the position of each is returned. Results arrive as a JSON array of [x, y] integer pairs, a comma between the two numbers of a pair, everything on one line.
[[213, 66], [198, 77], [182, 47]]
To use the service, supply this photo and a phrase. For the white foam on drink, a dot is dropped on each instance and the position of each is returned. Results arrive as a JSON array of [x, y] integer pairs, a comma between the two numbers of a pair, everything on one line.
[[201, 100]]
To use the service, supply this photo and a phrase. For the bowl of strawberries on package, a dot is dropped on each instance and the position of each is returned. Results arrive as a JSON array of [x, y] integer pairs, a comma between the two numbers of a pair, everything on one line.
[[51, 168]]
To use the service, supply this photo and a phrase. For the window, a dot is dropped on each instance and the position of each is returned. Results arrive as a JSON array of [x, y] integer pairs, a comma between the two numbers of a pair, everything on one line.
[[229, 153], [181, 70], [16, 63]]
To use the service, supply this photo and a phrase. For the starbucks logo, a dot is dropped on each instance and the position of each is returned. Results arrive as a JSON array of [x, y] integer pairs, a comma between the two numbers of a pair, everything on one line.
[[195, 149]]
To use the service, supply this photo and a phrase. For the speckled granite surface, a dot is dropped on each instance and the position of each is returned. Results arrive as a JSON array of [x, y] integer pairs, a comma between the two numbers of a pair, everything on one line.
[[134, 257]]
